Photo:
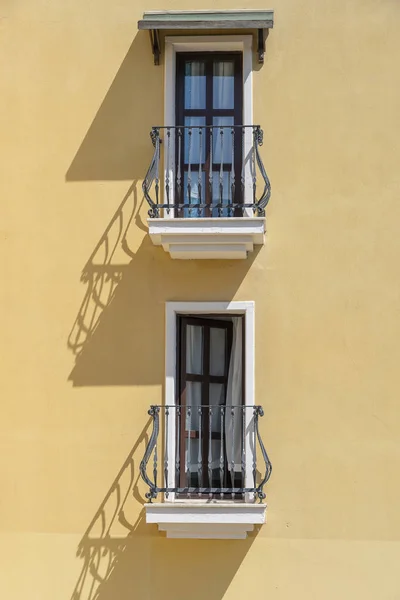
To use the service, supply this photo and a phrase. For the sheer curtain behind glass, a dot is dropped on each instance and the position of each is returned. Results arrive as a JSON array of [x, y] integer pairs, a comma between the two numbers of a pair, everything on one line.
[[234, 423], [194, 365]]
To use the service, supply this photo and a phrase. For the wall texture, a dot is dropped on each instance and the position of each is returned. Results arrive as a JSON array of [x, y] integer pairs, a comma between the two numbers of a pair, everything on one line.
[[83, 294]]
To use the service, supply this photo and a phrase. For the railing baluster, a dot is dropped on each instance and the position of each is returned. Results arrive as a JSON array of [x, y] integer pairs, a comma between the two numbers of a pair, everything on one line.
[[243, 446], [243, 172], [178, 175], [233, 450], [268, 466], [152, 493], [210, 175], [253, 167], [210, 448], [189, 447], [230, 209], [157, 178], [166, 449], [266, 193], [178, 447], [167, 181], [222, 451], [189, 176], [221, 174], [200, 453], [255, 420], [199, 210], [155, 460]]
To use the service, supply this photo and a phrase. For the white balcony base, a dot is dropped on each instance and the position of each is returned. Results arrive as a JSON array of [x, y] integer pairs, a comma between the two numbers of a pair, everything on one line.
[[215, 238], [216, 521]]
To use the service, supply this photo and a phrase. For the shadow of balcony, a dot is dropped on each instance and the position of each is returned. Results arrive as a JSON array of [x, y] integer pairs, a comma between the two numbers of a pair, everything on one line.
[[129, 561]]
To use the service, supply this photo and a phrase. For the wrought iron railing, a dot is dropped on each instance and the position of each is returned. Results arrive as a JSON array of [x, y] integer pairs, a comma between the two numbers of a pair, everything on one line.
[[206, 452], [207, 171]]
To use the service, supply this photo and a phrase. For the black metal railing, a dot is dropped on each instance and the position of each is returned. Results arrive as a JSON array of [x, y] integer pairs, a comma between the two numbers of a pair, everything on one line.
[[207, 171], [212, 451]]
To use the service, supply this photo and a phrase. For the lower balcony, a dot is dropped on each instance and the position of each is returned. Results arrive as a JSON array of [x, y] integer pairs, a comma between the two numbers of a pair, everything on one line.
[[207, 189], [213, 468]]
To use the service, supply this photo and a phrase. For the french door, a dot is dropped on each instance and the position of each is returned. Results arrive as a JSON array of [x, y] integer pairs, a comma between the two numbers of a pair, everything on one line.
[[208, 139], [209, 433]]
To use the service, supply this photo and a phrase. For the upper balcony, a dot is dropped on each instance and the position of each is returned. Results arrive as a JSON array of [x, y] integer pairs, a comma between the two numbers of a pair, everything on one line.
[[207, 189]]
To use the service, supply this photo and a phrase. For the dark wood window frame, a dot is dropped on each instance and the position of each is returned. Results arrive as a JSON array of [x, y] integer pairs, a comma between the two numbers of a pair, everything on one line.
[[209, 112], [207, 322]]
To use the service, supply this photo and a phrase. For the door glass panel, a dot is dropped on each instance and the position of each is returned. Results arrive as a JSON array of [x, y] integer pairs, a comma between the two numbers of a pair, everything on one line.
[[222, 186], [223, 139], [223, 84], [217, 351], [194, 349], [195, 84], [192, 419], [194, 140], [197, 193], [217, 398], [193, 400]]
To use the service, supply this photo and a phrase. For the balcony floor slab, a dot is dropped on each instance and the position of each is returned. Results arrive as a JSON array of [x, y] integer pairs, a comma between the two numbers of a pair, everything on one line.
[[211, 520], [208, 238]]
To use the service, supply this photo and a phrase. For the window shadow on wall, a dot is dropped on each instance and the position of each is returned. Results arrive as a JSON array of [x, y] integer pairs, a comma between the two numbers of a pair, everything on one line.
[[125, 559], [118, 335], [117, 146]]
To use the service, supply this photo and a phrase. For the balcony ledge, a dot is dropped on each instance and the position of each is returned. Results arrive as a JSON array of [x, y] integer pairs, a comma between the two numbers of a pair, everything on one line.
[[212, 521], [208, 238]]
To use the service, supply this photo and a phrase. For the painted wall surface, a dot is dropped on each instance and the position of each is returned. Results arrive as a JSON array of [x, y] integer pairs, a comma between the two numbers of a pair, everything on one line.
[[83, 294]]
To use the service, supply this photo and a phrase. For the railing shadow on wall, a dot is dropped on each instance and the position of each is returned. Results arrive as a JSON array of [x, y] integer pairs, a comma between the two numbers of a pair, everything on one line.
[[101, 547], [127, 560], [118, 339]]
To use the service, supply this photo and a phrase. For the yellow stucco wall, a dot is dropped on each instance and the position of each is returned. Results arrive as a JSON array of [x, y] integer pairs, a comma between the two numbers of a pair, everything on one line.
[[78, 95]]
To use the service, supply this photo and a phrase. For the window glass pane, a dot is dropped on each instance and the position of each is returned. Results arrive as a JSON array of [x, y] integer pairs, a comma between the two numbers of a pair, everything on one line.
[[223, 139], [223, 84], [217, 398], [194, 349], [195, 84], [217, 351], [194, 140], [197, 193], [222, 186], [193, 400], [192, 419]]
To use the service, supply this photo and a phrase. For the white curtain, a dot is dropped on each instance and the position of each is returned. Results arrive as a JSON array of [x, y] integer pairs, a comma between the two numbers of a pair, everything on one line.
[[223, 85], [194, 359], [234, 424]]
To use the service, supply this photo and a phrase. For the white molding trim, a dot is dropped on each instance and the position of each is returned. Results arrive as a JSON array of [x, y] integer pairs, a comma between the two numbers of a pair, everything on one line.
[[209, 43], [208, 238], [214, 521], [247, 309]]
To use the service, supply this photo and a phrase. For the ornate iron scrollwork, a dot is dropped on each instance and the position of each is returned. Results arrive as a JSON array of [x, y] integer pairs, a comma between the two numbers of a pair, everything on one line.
[[182, 184]]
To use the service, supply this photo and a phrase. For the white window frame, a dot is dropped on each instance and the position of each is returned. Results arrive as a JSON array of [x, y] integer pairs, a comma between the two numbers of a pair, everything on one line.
[[209, 43], [173, 309]]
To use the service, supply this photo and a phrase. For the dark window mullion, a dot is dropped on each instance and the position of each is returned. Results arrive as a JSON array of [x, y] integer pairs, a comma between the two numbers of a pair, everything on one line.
[[209, 97], [205, 397], [238, 120], [182, 399]]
